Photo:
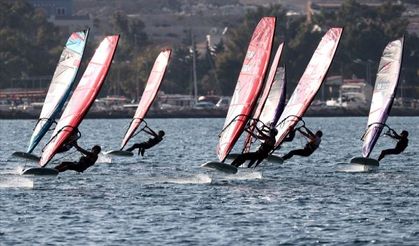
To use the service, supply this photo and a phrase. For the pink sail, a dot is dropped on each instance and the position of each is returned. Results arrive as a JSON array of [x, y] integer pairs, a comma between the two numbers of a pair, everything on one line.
[[248, 85], [83, 96], [309, 83], [264, 96], [384, 93], [149, 94]]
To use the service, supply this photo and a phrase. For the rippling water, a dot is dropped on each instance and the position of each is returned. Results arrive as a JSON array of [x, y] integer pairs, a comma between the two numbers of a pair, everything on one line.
[[166, 198]]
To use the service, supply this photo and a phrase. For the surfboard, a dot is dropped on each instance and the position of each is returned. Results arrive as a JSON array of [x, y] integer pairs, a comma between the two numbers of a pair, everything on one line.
[[26, 156], [219, 166], [119, 153], [364, 161], [42, 171]]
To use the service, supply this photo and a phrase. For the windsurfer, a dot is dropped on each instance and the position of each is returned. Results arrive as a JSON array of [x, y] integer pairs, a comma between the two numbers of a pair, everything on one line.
[[155, 139], [87, 160], [312, 144], [268, 144], [400, 146]]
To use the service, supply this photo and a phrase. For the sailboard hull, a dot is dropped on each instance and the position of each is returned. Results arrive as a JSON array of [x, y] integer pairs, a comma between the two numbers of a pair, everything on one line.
[[119, 153], [359, 165], [221, 167], [40, 171], [26, 156]]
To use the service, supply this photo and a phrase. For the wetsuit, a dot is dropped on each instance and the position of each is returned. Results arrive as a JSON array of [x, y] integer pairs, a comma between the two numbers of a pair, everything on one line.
[[400, 147], [308, 149], [86, 161], [146, 145], [259, 155]]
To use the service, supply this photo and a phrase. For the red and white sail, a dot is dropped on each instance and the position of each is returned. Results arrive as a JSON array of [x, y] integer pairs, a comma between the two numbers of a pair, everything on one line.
[[83, 96], [384, 93], [309, 83], [264, 96], [149, 94], [248, 85]]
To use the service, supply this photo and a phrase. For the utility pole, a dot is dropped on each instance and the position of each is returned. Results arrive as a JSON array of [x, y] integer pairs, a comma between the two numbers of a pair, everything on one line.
[[195, 86]]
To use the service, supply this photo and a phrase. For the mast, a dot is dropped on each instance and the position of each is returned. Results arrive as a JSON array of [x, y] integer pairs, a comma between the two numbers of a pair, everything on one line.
[[195, 86]]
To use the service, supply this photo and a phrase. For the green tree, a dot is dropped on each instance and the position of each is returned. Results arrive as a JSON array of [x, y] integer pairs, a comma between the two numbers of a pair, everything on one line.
[[29, 44]]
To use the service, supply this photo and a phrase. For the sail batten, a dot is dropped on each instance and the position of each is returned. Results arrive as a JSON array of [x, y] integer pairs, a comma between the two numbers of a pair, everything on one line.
[[60, 87], [248, 85], [309, 84], [83, 96], [383, 94], [150, 92]]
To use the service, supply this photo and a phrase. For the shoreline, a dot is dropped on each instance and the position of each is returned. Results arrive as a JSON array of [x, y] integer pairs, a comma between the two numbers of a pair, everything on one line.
[[211, 113]]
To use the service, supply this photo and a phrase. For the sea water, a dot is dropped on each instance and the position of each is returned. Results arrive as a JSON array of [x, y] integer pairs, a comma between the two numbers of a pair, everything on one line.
[[165, 198]]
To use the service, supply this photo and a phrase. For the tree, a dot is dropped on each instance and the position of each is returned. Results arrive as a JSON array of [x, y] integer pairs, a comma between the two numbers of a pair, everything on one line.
[[29, 44]]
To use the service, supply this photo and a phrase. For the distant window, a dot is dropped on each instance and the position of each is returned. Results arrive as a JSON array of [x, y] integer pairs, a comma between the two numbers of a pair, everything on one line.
[[60, 11]]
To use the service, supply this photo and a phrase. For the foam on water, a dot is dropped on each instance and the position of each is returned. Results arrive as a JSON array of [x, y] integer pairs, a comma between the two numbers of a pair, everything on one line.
[[16, 182]]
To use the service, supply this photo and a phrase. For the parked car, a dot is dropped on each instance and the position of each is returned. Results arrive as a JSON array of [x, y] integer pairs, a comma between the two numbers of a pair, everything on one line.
[[204, 105]]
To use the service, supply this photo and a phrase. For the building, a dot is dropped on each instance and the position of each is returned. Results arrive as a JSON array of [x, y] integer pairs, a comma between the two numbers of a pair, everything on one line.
[[54, 7], [60, 13]]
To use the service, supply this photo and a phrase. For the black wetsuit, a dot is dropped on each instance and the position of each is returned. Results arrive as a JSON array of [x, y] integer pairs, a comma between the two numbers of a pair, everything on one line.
[[146, 145], [400, 147], [259, 155], [309, 148], [84, 162]]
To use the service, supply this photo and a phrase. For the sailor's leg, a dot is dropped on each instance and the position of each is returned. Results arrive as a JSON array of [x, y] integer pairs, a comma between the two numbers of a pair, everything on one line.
[[300, 152], [64, 166], [388, 152], [240, 159], [133, 147]]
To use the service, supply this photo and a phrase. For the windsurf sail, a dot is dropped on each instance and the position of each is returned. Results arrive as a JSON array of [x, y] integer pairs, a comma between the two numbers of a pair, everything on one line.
[[263, 98], [60, 86], [275, 102], [248, 85], [309, 84], [384, 93], [83, 96], [149, 94]]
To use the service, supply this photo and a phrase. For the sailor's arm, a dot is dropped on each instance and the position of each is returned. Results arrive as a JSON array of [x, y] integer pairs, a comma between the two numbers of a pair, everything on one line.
[[80, 149]]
